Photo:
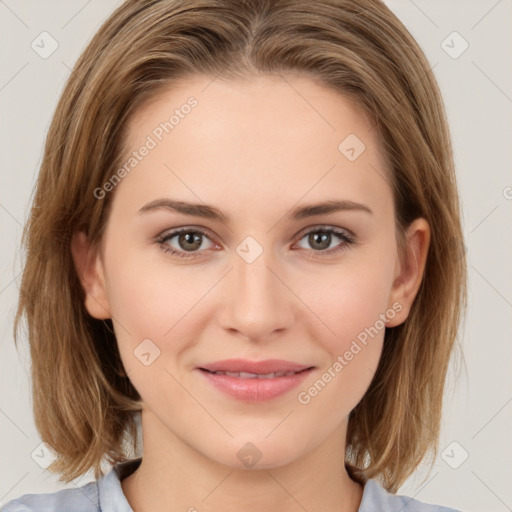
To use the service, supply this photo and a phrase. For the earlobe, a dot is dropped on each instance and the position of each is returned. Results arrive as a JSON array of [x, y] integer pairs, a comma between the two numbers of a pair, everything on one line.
[[410, 272], [89, 268]]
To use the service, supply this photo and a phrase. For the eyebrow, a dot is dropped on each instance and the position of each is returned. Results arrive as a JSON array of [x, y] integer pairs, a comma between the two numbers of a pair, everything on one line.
[[210, 212]]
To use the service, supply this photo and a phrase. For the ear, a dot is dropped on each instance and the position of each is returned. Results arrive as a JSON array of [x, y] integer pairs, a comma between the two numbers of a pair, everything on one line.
[[409, 273], [89, 267]]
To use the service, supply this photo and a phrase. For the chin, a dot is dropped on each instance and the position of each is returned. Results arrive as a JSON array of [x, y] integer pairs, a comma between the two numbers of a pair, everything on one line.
[[256, 454]]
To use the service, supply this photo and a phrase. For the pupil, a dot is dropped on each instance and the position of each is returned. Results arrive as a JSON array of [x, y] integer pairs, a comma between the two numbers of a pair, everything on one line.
[[320, 238], [324, 239], [192, 241]]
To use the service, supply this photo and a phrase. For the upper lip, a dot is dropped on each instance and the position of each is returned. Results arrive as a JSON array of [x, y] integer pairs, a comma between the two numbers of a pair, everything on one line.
[[257, 367]]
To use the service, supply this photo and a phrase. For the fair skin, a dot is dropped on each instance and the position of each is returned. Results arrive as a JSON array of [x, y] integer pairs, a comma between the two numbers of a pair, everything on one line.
[[255, 150]]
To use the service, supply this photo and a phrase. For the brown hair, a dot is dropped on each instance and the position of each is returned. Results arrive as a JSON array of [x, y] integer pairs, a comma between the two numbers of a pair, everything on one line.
[[84, 405]]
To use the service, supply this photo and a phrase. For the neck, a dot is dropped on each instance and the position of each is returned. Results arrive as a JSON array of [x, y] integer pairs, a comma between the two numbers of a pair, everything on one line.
[[173, 476]]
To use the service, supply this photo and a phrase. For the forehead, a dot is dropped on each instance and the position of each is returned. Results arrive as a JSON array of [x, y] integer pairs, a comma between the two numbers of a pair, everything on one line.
[[257, 108], [271, 137]]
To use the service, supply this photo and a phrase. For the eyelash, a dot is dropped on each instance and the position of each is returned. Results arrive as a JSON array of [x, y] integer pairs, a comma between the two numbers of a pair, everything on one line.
[[347, 241]]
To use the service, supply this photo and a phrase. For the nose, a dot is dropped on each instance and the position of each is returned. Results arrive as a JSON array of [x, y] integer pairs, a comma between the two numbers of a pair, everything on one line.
[[257, 300]]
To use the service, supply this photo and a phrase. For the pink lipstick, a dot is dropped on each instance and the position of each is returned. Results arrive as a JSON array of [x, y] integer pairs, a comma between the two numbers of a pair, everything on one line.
[[255, 381]]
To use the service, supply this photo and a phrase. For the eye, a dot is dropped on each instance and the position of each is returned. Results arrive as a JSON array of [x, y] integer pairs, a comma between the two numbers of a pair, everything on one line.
[[321, 239], [188, 240]]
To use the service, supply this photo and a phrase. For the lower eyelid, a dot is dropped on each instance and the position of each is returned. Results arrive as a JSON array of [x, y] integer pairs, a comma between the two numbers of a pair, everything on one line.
[[341, 234], [164, 239], [345, 237]]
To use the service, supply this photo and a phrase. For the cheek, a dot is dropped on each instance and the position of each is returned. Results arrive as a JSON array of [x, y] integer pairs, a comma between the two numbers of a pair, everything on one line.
[[353, 309], [172, 305], [350, 303], [152, 301]]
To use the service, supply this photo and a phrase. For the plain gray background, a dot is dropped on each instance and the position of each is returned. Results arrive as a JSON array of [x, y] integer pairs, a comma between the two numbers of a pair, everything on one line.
[[473, 469]]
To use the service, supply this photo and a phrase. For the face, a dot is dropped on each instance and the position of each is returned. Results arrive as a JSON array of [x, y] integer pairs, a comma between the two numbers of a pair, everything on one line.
[[261, 277]]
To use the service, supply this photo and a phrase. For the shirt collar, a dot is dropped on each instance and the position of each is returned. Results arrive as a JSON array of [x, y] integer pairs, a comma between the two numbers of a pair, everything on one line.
[[112, 498], [110, 492]]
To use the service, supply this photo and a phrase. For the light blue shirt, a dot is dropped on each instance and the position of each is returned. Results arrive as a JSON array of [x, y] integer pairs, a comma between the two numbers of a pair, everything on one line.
[[106, 495]]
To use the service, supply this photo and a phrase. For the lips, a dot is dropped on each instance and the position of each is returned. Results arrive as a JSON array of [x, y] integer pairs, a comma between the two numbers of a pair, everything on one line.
[[248, 375], [254, 381], [266, 367]]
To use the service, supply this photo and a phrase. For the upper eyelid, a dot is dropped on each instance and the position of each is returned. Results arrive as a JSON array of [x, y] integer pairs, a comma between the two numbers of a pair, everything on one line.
[[327, 227], [171, 233]]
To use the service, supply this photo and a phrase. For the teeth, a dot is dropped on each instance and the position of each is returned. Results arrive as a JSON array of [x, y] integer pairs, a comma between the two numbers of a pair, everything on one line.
[[231, 374], [247, 375]]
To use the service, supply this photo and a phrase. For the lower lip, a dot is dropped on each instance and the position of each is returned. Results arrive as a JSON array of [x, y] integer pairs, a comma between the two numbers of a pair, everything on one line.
[[255, 390]]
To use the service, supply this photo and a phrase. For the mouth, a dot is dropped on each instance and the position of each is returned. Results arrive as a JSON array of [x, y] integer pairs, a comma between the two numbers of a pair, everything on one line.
[[248, 375], [255, 381], [263, 367]]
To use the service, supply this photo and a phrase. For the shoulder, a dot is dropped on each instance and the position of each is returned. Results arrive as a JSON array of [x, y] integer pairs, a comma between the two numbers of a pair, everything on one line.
[[375, 497], [83, 499], [103, 495]]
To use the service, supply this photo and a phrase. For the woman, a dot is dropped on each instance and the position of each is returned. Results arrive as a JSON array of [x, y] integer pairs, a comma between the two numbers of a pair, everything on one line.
[[244, 229]]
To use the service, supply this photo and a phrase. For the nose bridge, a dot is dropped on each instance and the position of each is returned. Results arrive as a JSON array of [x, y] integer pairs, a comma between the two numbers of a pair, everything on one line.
[[258, 302]]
